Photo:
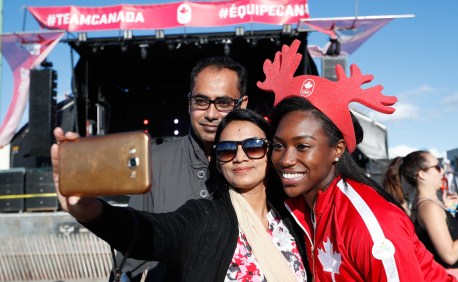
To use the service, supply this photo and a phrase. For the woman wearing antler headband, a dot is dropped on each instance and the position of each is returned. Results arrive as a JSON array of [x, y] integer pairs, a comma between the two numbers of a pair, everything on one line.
[[354, 230]]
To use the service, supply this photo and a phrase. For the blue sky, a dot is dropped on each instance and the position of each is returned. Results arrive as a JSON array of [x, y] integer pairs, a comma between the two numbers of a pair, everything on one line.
[[412, 58]]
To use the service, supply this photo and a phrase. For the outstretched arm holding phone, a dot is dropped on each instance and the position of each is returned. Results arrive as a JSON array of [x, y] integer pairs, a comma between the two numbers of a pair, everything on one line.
[[84, 209]]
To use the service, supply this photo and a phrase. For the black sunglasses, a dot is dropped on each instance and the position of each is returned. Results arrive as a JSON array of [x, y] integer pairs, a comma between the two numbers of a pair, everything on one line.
[[254, 148], [438, 167]]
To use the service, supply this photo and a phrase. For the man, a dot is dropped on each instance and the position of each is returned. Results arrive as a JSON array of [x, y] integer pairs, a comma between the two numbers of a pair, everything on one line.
[[180, 167]]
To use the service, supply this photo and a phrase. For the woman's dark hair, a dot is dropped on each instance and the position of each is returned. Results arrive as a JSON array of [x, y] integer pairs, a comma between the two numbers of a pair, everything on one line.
[[408, 167], [217, 179], [244, 115], [219, 63], [346, 166], [412, 164], [392, 180]]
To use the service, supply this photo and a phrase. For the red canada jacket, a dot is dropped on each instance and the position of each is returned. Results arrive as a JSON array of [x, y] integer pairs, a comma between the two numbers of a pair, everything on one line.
[[354, 234]]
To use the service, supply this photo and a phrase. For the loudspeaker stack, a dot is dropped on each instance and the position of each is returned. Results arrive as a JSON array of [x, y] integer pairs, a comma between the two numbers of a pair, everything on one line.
[[39, 187], [42, 111], [12, 190]]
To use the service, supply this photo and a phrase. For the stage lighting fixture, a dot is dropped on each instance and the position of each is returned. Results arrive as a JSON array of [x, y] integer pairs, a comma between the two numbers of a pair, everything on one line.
[[198, 46], [127, 34], [143, 51], [287, 29], [82, 36], [203, 40], [254, 43], [333, 47], [227, 49], [160, 34], [46, 64], [239, 31]]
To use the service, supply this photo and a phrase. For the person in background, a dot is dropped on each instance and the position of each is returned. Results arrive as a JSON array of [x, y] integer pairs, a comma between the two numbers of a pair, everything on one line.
[[392, 184], [180, 167], [243, 233], [355, 231], [436, 227], [450, 176]]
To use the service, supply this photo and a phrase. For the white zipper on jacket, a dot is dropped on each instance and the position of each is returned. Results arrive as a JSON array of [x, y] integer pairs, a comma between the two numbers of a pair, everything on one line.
[[313, 220], [312, 243]]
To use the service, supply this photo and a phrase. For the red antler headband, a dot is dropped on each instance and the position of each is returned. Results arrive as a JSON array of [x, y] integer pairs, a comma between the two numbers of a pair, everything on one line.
[[331, 98]]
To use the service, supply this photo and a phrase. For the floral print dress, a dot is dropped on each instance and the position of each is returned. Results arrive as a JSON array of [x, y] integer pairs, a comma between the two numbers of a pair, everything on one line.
[[244, 266]]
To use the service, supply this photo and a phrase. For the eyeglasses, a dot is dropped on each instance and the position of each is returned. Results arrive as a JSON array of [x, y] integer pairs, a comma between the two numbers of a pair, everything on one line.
[[254, 148], [222, 104], [438, 167]]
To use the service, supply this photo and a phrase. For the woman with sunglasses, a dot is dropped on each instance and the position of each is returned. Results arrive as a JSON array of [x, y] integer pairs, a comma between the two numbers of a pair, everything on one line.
[[436, 227], [241, 234]]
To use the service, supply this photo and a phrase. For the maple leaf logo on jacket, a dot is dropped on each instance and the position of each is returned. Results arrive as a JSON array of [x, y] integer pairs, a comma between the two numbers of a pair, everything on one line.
[[329, 259]]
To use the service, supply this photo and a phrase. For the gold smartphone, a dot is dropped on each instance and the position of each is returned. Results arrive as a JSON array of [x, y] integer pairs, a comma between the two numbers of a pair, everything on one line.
[[113, 164]]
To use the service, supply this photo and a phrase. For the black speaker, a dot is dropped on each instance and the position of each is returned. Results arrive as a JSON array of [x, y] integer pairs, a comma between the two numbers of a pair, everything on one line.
[[42, 111], [12, 190], [40, 191]]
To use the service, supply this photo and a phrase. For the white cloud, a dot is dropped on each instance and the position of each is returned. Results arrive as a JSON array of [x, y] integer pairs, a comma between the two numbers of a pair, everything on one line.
[[437, 153], [451, 99], [403, 112], [421, 90], [407, 107], [400, 151], [403, 150], [451, 102]]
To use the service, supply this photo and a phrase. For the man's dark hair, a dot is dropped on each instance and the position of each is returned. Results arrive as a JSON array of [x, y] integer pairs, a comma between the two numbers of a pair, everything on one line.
[[219, 63]]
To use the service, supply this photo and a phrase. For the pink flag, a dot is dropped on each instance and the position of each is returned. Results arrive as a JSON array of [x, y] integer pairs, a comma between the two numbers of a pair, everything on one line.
[[350, 31], [23, 51], [170, 15]]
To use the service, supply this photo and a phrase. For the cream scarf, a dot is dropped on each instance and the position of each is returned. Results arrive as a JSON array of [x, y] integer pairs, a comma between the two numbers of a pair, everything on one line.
[[272, 262]]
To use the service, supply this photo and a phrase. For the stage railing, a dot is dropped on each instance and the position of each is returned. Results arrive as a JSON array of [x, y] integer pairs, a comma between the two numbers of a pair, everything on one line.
[[50, 247]]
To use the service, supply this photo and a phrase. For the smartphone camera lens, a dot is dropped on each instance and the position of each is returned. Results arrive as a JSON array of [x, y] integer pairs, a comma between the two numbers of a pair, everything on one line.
[[133, 162]]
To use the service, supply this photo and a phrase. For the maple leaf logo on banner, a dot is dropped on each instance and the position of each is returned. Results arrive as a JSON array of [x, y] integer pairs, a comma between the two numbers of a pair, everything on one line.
[[184, 13], [329, 259]]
